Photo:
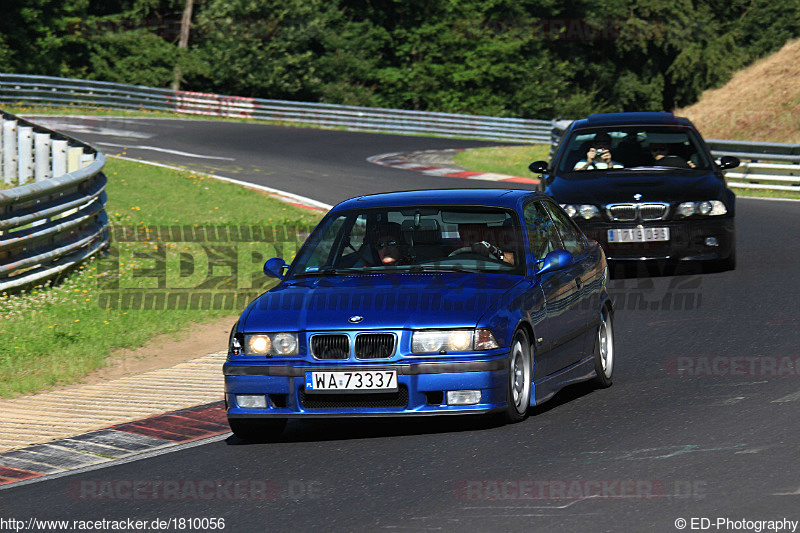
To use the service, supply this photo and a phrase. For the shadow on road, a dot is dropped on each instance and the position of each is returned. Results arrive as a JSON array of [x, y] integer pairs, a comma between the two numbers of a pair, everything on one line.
[[654, 269], [384, 427]]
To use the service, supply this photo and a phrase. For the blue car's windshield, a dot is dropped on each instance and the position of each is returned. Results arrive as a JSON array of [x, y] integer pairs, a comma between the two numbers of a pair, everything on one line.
[[413, 239], [631, 148]]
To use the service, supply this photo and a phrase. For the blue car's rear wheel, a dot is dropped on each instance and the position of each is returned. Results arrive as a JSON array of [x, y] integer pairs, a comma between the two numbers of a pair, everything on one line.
[[519, 378], [257, 430]]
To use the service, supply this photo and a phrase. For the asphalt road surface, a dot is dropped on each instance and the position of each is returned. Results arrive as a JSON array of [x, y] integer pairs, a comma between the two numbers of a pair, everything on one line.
[[701, 423]]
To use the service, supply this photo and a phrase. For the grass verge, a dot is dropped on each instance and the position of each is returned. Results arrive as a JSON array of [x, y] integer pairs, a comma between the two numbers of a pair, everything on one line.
[[57, 334], [765, 193], [510, 160]]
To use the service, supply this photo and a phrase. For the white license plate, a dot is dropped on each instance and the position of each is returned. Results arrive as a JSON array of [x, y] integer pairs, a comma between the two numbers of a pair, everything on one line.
[[638, 235], [355, 381]]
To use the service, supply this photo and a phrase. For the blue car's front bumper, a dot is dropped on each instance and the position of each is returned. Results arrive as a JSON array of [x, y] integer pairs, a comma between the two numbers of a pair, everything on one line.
[[423, 385]]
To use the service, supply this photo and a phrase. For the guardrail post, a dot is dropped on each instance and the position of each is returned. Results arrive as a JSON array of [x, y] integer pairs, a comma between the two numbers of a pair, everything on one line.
[[41, 157], [86, 160], [59, 158], [74, 154], [25, 151], [10, 152]]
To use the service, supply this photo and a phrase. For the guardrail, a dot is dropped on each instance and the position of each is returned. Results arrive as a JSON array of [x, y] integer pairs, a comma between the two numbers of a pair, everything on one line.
[[764, 165], [52, 213], [774, 166], [50, 91]]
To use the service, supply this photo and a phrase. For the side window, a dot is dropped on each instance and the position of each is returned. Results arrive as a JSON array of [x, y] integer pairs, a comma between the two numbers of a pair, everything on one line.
[[571, 236], [330, 236], [542, 233]]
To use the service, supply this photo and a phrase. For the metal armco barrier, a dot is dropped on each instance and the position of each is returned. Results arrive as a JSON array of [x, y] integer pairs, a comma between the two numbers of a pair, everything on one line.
[[52, 202], [774, 166], [20, 89]]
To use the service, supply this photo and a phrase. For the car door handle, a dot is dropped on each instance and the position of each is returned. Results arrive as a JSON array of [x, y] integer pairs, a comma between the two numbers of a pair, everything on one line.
[[578, 282]]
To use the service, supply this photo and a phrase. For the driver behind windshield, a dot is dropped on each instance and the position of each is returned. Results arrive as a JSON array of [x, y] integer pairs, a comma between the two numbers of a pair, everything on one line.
[[599, 155], [386, 238], [662, 157]]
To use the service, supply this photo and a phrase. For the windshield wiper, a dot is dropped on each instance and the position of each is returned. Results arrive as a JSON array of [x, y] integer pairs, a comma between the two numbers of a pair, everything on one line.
[[649, 167], [449, 268], [330, 271], [660, 167]]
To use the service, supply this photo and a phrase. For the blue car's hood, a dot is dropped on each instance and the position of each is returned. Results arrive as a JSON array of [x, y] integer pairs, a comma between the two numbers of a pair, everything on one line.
[[384, 301], [671, 185]]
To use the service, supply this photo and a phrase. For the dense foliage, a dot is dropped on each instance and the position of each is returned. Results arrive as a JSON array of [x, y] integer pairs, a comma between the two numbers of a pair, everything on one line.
[[527, 58]]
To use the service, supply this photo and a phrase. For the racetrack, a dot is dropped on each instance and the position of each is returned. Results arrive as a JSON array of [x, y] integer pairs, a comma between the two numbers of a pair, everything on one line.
[[701, 421]]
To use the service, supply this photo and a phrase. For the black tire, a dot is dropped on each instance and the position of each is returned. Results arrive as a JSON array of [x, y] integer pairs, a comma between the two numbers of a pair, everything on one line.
[[257, 430], [520, 373], [722, 265], [604, 350]]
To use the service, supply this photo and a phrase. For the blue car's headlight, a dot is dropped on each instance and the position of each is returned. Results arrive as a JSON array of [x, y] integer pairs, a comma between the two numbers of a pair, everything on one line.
[[452, 340], [707, 208], [270, 344]]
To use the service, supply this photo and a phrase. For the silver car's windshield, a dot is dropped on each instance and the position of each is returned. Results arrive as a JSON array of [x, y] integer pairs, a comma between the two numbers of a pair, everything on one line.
[[413, 239], [632, 148]]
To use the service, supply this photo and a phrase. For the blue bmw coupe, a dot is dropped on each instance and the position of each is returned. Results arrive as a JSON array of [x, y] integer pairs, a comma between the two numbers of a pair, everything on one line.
[[423, 303]]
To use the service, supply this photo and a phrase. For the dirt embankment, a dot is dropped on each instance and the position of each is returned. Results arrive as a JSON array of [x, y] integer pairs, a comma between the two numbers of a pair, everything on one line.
[[760, 102]]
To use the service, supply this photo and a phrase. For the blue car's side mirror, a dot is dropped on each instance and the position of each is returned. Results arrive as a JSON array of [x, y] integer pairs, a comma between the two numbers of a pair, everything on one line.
[[273, 268], [555, 260]]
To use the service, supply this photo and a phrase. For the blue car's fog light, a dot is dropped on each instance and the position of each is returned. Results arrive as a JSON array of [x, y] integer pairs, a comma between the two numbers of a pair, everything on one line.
[[463, 397], [251, 401]]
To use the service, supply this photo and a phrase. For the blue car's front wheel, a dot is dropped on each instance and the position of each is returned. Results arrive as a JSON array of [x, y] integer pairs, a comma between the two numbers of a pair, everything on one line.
[[604, 350], [519, 378]]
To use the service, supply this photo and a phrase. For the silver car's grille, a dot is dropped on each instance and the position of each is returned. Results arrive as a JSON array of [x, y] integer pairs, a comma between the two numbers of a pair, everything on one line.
[[330, 346], [622, 212], [653, 211], [374, 345], [637, 211]]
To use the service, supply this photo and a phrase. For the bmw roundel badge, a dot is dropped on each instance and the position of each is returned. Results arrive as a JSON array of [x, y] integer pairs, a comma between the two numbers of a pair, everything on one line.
[[355, 319]]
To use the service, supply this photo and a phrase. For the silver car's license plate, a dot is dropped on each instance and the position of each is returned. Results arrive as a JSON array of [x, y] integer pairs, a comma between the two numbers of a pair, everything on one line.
[[638, 235], [355, 381]]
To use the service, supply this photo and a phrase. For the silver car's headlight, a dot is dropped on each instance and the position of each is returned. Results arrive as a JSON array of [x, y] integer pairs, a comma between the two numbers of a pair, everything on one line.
[[587, 211], [452, 340], [570, 209], [706, 208], [270, 344]]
